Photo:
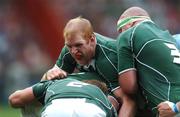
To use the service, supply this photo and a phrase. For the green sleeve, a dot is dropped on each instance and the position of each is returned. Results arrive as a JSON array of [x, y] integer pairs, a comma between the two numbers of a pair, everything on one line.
[[39, 90], [125, 54], [66, 61]]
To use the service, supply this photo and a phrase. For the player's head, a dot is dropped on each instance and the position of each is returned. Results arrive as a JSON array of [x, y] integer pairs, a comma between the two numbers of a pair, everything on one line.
[[78, 25], [80, 39], [99, 84], [130, 17]]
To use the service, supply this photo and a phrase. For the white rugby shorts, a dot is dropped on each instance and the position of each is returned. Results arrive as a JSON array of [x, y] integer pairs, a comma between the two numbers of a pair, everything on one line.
[[73, 107]]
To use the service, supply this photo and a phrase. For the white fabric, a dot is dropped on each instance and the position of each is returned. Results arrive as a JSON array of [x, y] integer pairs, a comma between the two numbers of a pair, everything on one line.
[[72, 108]]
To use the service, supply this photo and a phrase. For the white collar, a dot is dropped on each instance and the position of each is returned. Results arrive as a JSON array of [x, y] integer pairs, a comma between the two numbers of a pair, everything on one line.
[[92, 63]]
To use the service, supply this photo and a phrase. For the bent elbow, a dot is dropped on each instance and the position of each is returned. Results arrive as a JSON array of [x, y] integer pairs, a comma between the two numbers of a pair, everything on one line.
[[15, 101], [12, 102]]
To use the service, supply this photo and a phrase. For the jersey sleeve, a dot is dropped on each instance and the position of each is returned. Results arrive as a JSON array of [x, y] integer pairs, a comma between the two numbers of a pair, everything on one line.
[[66, 61], [39, 90], [125, 55]]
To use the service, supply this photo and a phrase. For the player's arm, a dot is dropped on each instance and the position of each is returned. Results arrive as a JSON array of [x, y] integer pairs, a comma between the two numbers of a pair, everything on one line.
[[21, 97], [128, 82], [126, 69], [128, 104], [127, 77]]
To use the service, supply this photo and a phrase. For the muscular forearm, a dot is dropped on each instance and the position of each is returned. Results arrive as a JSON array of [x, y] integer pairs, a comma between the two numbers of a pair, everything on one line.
[[128, 105], [21, 97], [128, 108]]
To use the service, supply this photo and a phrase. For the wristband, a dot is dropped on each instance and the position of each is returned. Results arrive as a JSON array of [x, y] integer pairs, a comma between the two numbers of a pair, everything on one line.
[[173, 106], [175, 109]]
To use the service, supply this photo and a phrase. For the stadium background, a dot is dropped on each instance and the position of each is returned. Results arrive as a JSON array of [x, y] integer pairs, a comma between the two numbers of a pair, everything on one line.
[[31, 34]]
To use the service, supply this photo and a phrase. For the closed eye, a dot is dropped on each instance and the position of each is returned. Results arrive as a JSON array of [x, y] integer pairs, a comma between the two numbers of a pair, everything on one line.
[[78, 45]]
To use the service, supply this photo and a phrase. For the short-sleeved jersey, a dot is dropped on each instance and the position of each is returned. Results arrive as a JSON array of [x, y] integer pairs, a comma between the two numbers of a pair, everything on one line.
[[47, 91], [105, 61], [153, 53]]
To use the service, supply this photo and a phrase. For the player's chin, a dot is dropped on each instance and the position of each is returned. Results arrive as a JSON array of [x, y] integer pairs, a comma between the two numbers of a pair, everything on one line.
[[81, 62]]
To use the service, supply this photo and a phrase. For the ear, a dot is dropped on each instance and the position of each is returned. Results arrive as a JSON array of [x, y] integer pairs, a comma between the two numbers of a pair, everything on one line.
[[133, 23], [93, 38], [129, 25]]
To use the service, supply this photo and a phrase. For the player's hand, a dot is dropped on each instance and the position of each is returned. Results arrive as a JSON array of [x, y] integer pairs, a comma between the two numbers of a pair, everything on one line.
[[165, 110], [53, 73]]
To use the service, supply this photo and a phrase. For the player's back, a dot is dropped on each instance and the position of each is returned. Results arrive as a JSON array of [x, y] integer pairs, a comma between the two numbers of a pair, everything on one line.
[[156, 50], [157, 61], [72, 88]]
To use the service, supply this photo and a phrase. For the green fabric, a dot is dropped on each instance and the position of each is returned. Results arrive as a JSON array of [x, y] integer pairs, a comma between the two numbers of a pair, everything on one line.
[[72, 88], [149, 50], [105, 61]]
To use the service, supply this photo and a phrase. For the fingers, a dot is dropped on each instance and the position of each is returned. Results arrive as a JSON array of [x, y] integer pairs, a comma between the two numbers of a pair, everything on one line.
[[62, 74], [165, 110], [55, 73]]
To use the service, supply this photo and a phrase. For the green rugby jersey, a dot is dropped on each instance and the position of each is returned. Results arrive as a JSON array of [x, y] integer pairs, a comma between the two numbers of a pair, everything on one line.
[[153, 53], [46, 91], [105, 61]]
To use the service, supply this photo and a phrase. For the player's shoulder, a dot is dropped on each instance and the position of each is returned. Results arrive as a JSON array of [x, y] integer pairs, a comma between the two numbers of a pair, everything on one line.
[[101, 39], [105, 42], [99, 36], [143, 26]]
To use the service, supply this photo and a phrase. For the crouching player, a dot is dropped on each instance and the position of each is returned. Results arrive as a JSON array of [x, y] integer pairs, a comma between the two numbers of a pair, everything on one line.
[[67, 97]]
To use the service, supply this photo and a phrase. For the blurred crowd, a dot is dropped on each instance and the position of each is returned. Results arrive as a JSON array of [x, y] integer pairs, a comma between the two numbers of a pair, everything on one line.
[[104, 13], [23, 60]]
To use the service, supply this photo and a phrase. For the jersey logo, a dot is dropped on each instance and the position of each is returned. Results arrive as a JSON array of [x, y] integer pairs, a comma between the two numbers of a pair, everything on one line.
[[76, 84], [174, 52]]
